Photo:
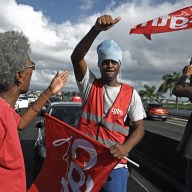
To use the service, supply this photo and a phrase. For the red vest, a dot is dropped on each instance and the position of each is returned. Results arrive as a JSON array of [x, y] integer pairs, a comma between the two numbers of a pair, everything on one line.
[[110, 129]]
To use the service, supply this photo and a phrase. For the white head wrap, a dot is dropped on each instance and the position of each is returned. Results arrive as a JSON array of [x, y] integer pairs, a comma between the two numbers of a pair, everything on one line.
[[107, 50]]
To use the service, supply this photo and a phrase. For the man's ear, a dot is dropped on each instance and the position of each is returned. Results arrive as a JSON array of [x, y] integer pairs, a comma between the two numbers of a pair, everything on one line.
[[19, 77]]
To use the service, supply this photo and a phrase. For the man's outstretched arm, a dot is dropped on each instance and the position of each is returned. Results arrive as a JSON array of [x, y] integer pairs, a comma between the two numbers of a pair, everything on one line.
[[180, 90]]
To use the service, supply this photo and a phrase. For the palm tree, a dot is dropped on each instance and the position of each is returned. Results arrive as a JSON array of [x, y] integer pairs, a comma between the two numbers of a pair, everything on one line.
[[169, 81], [149, 92]]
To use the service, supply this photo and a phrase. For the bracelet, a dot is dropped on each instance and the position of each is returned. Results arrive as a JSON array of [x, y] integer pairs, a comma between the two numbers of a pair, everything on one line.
[[34, 109], [45, 97]]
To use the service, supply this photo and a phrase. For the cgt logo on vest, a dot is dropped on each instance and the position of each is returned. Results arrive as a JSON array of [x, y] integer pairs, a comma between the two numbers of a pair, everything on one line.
[[116, 110]]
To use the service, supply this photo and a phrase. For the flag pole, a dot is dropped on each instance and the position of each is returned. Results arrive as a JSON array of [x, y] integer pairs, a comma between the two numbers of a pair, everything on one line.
[[132, 162]]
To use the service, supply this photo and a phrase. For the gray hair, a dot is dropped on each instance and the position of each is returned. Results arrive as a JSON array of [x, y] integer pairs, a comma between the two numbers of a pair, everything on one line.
[[14, 47]]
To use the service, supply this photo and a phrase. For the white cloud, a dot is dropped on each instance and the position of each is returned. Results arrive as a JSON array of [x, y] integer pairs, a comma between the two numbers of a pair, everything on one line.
[[87, 4], [144, 61]]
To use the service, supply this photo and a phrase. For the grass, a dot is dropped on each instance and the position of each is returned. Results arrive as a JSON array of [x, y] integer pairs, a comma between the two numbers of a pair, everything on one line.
[[186, 107]]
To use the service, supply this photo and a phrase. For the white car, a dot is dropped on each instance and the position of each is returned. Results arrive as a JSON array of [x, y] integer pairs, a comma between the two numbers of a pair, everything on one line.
[[31, 98], [17, 107], [22, 102]]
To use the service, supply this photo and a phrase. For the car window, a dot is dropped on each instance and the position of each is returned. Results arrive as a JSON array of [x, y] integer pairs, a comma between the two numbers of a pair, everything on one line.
[[69, 115], [155, 105], [51, 99], [23, 98], [54, 99]]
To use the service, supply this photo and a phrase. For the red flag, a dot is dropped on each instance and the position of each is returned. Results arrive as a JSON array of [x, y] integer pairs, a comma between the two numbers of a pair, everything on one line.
[[74, 162], [178, 20]]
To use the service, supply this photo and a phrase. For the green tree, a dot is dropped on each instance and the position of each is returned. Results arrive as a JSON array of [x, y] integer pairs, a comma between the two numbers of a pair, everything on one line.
[[169, 81], [149, 93]]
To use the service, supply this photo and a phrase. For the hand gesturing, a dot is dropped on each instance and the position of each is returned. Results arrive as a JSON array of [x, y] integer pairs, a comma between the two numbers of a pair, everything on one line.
[[105, 22]]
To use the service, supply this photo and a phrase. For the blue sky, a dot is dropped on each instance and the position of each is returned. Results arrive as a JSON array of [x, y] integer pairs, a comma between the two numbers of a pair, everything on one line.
[[60, 10], [54, 27], [75, 10]]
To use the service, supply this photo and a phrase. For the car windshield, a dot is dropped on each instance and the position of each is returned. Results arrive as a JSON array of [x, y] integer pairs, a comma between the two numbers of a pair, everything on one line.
[[54, 99], [69, 114], [23, 98], [155, 105]]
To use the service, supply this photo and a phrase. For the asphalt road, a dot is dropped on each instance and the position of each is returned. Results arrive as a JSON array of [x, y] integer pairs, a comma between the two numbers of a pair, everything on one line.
[[172, 128]]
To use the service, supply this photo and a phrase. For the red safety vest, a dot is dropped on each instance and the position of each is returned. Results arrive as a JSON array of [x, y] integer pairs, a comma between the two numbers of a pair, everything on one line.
[[110, 129]]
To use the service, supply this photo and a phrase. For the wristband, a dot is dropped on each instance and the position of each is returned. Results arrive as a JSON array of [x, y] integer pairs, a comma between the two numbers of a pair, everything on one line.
[[45, 97]]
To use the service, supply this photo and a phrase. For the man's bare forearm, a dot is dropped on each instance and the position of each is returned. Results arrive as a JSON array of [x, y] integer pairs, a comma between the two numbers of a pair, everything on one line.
[[84, 45], [180, 90]]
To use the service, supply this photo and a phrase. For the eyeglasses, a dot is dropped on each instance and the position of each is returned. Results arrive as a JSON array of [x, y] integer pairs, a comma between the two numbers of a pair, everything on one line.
[[32, 66]]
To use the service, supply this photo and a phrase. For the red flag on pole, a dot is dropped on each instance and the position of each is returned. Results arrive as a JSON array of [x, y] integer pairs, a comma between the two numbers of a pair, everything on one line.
[[74, 162], [178, 20]]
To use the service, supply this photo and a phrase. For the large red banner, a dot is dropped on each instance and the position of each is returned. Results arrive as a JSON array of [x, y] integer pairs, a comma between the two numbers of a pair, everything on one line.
[[178, 20], [74, 162]]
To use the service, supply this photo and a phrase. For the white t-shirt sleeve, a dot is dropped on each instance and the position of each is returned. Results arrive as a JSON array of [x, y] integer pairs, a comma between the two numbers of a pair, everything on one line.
[[136, 110], [85, 85]]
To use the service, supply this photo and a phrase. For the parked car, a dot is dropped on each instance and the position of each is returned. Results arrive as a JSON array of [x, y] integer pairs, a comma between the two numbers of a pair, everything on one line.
[[51, 99], [22, 102], [68, 112], [31, 99], [155, 110], [17, 107]]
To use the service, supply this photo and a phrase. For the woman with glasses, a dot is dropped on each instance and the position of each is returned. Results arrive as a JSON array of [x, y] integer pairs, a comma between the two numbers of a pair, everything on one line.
[[15, 76]]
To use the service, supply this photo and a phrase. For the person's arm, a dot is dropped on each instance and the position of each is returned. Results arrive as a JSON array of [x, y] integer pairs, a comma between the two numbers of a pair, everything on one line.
[[55, 86], [2, 130], [180, 90], [102, 23], [121, 150]]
